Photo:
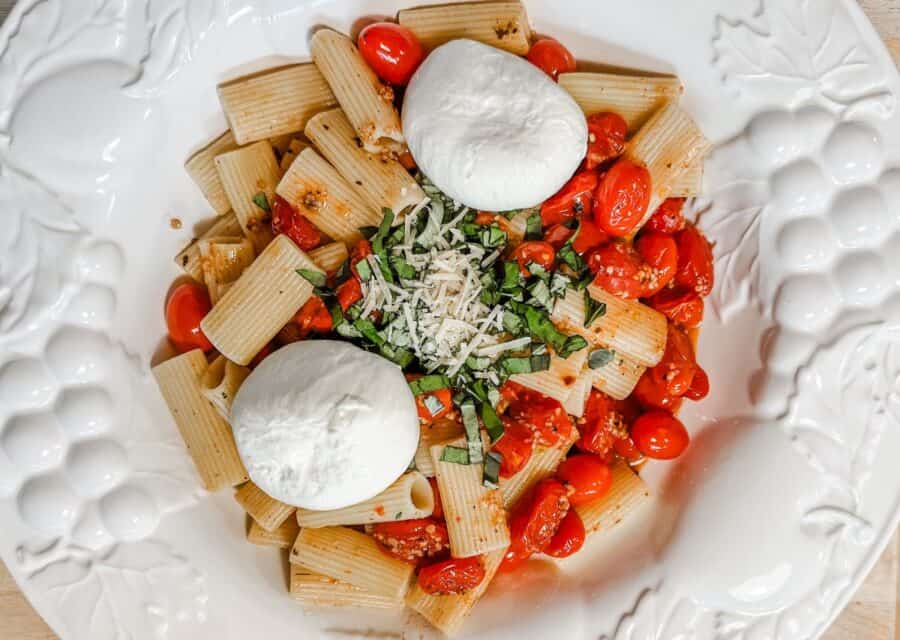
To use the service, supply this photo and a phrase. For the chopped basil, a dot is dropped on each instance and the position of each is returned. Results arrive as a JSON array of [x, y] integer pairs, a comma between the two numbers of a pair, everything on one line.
[[402, 267], [593, 310], [369, 331], [433, 404], [315, 278], [455, 455], [538, 270], [542, 328], [491, 421], [364, 270], [600, 358], [540, 295], [533, 227], [347, 330], [513, 365], [512, 276], [261, 200], [401, 357], [378, 247], [558, 285], [492, 236], [473, 431], [491, 478], [429, 384], [478, 363], [513, 323], [568, 257], [430, 234], [572, 344]]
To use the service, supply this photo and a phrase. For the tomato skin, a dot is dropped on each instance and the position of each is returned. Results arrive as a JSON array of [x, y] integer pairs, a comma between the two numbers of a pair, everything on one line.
[[588, 477], [551, 57], [695, 262], [620, 270], [444, 396], [651, 395], [547, 507], [313, 317], [606, 138], [576, 197], [289, 221], [600, 425], [186, 307], [438, 513], [627, 450], [349, 293], [622, 198], [660, 252], [544, 416], [699, 387], [452, 577], [412, 541], [589, 237], [660, 435], [569, 538], [518, 551], [680, 306], [675, 372], [668, 218], [536, 251], [516, 446], [392, 51], [558, 235]]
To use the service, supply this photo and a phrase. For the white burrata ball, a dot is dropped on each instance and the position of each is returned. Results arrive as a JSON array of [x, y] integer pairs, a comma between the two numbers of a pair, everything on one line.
[[324, 425], [490, 129]]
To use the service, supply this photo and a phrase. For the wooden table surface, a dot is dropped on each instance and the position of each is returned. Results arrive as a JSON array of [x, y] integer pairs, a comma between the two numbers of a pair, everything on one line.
[[871, 615]]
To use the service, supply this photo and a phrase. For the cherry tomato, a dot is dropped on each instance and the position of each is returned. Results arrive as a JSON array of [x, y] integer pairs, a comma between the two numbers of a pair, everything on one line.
[[551, 57], [289, 221], [622, 198], [660, 435], [651, 395], [544, 416], [675, 372], [486, 219], [588, 477], [569, 538], [349, 293], [589, 237], [438, 513], [313, 317], [392, 51], [518, 551], [558, 235], [452, 577], [546, 508], [537, 252], [576, 197], [668, 218], [361, 250], [660, 252], [626, 449], [683, 307], [601, 425], [620, 270], [412, 541], [185, 309], [444, 396], [699, 387], [695, 262], [516, 446], [606, 138]]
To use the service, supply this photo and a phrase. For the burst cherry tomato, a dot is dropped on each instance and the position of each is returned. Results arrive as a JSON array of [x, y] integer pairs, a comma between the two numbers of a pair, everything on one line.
[[349, 293], [587, 476], [683, 307], [413, 541], [652, 395], [569, 538], [551, 57], [518, 551], [516, 446], [601, 425], [558, 235], [438, 513], [313, 317], [392, 51], [544, 416], [537, 252], [660, 435], [668, 218], [606, 138], [187, 306], [576, 197], [452, 577], [695, 262], [289, 221], [660, 253], [545, 509], [626, 449], [589, 237], [620, 270], [699, 387], [675, 372], [622, 198], [444, 396]]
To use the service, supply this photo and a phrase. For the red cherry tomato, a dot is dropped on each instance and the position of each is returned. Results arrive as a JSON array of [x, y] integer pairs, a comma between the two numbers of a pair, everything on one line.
[[622, 198], [289, 221], [699, 387], [548, 505], [660, 252], [551, 57], [620, 270], [695, 262], [349, 293], [444, 396], [413, 541], [438, 513], [576, 197], [536, 251], [589, 237], [683, 307], [626, 449], [313, 317], [516, 446], [651, 395], [486, 219], [601, 425], [518, 551], [185, 309], [660, 435], [587, 476], [675, 372], [606, 138], [452, 577], [544, 416], [392, 51], [558, 235], [569, 538], [668, 218]]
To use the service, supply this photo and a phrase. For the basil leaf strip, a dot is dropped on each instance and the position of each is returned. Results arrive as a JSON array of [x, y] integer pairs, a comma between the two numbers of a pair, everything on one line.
[[473, 432], [315, 278], [600, 358], [491, 477], [455, 455], [429, 384]]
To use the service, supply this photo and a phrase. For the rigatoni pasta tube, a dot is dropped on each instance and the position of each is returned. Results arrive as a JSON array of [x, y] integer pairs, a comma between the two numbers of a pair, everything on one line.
[[541, 465], [281, 538], [378, 178], [189, 258], [368, 103], [558, 381], [635, 98], [476, 521], [315, 590], [690, 183], [268, 512], [577, 400], [274, 102], [626, 494], [448, 613], [619, 377], [201, 167], [354, 558], [221, 382], [503, 25], [249, 176], [324, 197], [223, 260], [430, 435], [261, 302], [409, 498], [630, 328], [330, 257], [207, 436]]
